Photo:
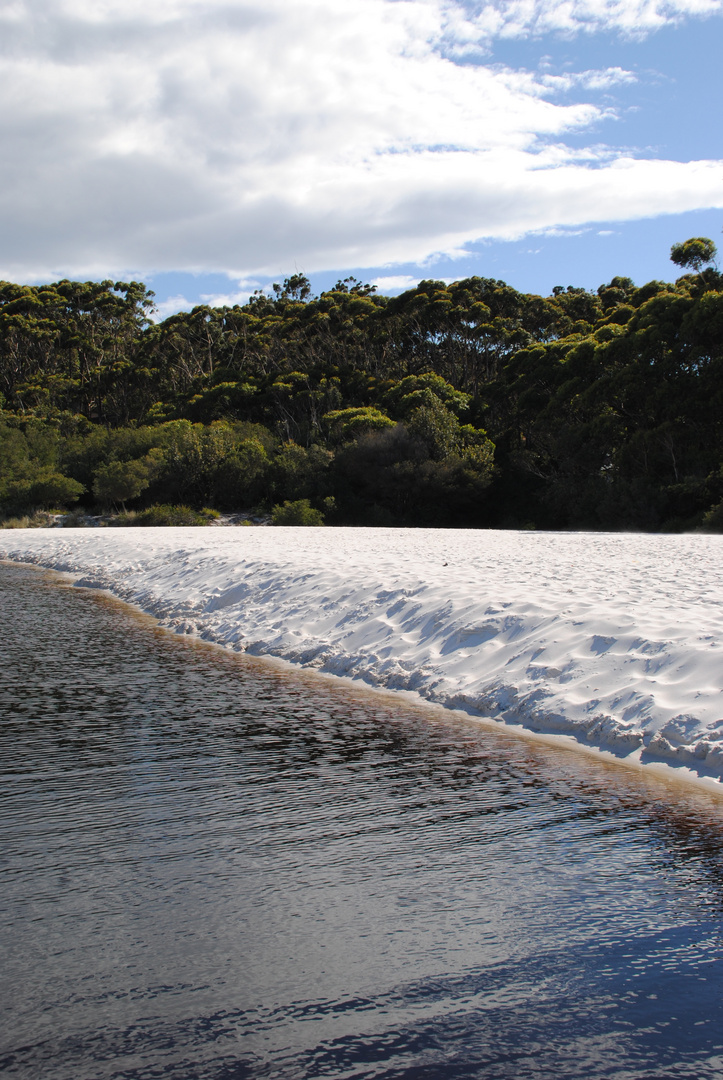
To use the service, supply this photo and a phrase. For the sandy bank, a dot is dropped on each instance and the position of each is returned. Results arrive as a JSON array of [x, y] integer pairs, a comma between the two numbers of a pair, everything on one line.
[[614, 639]]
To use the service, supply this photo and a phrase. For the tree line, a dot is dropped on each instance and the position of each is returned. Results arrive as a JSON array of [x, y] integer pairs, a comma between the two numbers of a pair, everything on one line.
[[466, 404]]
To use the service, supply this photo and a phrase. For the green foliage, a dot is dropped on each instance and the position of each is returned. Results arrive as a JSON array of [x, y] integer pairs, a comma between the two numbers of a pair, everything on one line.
[[221, 464], [299, 473], [118, 481], [434, 426], [694, 253], [164, 515], [298, 512], [47, 489], [30, 477], [416, 390], [712, 520], [452, 404], [39, 519], [347, 424]]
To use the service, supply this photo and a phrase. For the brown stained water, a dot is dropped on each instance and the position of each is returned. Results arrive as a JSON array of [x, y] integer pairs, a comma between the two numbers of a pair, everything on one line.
[[215, 869]]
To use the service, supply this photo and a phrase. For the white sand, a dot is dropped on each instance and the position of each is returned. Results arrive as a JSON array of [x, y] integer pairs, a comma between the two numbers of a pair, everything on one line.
[[614, 639]]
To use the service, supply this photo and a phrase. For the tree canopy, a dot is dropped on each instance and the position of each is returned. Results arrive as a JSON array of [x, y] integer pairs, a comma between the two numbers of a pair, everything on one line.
[[466, 404], [694, 253]]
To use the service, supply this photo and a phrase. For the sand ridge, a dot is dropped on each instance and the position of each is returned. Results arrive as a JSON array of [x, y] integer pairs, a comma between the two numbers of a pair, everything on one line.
[[614, 639]]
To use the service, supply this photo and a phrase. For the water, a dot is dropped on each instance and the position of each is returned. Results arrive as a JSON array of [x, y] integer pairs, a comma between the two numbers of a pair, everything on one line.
[[215, 869]]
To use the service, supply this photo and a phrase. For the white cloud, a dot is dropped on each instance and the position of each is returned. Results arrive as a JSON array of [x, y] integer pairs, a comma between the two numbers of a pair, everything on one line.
[[171, 306], [249, 135], [470, 22], [393, 283], [588, 80], [240, 295], [557, 231]]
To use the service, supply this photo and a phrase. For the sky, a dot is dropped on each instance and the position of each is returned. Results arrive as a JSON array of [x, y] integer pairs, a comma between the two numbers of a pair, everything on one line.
[[211, 147]]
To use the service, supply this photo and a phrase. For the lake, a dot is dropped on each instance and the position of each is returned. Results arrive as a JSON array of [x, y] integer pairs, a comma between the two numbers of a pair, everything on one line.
[[214, 867]]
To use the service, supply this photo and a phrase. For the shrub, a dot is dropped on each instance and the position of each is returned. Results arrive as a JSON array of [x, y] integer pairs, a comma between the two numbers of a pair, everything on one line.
[[163, 515], [41, 519], [46, 489], [299, 472], [300, 512], [713, 520], [347, 424], [118, 481], [76, 519]]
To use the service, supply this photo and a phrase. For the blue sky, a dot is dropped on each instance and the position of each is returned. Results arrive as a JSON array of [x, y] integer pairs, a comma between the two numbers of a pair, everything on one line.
[[210, 148]]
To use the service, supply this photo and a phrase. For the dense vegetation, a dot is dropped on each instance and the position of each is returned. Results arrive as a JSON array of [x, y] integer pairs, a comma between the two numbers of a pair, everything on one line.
[[468, 404]]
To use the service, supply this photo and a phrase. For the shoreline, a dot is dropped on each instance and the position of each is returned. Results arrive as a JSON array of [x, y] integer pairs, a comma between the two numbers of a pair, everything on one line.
[[226, 592], [677, 780]]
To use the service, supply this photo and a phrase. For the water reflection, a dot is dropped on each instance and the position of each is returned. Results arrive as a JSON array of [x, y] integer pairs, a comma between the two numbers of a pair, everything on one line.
[[213, 868]]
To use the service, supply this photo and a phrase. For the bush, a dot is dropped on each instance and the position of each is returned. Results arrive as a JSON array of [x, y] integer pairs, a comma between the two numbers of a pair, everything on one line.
[[346, 424], [118, 481], [43, 491], [299, 472], [76, 519], [39, 520], [163, 515], [713, 520], [300, 512]]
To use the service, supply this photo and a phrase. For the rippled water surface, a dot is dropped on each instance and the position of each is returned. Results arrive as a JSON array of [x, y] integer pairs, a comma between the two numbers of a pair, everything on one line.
[[212, 868]]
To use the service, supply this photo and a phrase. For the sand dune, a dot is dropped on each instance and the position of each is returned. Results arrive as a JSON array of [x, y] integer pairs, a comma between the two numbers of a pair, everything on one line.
[[614, 639]]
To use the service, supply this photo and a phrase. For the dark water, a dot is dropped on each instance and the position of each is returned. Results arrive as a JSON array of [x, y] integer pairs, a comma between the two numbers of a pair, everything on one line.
[[213, 869]]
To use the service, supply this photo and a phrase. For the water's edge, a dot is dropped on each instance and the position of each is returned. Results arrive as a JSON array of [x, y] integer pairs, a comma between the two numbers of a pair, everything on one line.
[[219, 866], [666, 776]]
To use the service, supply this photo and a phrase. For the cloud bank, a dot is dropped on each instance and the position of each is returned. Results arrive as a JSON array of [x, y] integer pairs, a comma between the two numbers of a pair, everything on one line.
[[252, 135]]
